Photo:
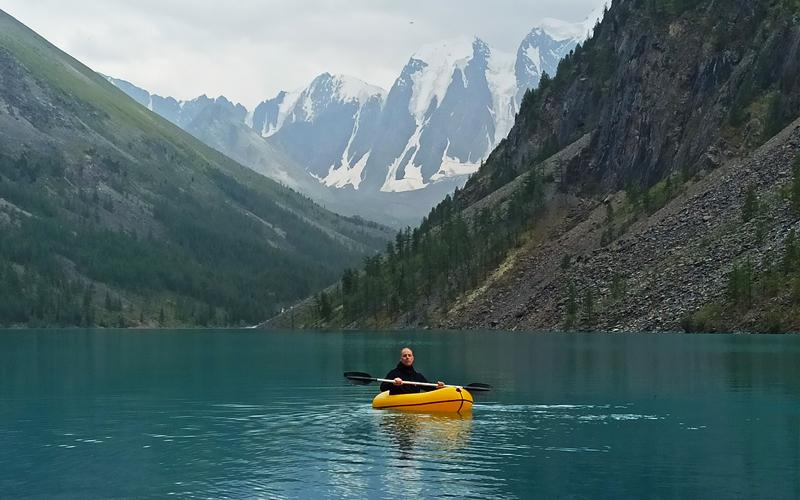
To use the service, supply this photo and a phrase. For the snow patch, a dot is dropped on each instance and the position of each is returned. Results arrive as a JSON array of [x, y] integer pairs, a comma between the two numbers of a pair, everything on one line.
[[285, 108], [308, 109], [561, 30], [412, 175], [533, 55], [411, 182], [346, 174], [594, 17], [503, 87], [453, 167], [431, 82], [349, 88]]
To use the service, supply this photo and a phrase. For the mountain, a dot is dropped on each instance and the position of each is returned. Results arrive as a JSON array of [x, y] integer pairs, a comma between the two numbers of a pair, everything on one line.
[[652, 184], [111, 215], [359, 149], [328, 127], [220, 124], [451, 104], [539, 53]]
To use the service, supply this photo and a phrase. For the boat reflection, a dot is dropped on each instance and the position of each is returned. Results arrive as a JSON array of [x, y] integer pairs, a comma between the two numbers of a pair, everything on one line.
[[438, 432]]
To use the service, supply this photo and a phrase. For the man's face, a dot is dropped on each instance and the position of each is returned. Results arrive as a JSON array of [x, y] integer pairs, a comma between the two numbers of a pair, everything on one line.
[[407, 357]]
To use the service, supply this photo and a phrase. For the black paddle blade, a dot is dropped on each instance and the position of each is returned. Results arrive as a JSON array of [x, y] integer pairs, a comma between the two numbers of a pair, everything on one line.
[[359, 378], [478, 387]]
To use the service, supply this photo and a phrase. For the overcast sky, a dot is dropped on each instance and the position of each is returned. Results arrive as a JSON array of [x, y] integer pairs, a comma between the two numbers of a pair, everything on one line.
[[248, 50]]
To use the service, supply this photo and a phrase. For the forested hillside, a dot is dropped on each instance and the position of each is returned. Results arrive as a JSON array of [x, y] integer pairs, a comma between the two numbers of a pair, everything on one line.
[[109, 215], [634, 160]]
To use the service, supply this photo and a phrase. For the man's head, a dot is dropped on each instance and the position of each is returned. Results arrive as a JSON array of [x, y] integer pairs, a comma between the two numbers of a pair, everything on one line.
[[406, 356]]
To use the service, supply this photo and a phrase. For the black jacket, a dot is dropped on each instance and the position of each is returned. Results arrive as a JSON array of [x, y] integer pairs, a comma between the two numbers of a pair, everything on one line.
[[408, 374]]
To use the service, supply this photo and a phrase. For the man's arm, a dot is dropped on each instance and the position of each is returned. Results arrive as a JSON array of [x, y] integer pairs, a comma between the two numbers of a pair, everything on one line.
[[422, 378], [385, 386]]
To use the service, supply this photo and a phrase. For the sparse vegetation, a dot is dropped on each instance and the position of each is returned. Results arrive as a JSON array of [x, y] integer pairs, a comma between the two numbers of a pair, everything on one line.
[[649, 200], [766, 300]]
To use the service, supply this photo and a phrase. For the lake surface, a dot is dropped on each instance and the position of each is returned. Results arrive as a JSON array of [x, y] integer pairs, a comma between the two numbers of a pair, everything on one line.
[[242, 414]]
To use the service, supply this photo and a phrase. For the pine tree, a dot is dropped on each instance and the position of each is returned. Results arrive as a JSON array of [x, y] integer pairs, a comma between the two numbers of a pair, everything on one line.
[[324, 306], [571, 309], [751, 205], [795, 193], [588, 307], [791, 254], [740, 284]]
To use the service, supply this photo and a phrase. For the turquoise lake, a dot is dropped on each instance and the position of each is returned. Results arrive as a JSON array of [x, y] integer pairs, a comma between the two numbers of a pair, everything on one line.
[[244, 414]]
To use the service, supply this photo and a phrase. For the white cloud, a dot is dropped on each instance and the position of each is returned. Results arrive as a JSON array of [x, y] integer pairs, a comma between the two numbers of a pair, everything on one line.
[[248, 50]]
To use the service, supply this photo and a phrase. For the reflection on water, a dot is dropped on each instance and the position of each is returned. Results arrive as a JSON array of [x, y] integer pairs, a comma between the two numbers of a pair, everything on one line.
[[253, 414], [438, 432]]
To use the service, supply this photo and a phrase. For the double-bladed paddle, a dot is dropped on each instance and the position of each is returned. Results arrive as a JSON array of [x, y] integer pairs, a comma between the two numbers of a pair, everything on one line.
[[361, 378]]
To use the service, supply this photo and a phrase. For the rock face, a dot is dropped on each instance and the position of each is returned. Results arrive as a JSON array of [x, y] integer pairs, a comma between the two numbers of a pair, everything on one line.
[[656, 89]]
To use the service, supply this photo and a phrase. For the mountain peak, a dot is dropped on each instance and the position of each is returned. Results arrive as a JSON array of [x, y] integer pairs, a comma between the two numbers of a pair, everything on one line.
[[558, 30], [445, 53], [344, 87], [480, 48]]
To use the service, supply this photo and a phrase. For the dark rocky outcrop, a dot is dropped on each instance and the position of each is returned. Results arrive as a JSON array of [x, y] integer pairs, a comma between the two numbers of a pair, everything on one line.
[[661, 92]]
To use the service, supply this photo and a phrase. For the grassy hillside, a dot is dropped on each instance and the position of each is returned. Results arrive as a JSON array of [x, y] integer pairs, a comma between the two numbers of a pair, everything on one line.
[[111, 215]]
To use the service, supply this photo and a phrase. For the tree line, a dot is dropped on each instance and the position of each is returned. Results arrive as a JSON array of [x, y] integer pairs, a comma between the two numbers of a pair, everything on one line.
[[430, 266]]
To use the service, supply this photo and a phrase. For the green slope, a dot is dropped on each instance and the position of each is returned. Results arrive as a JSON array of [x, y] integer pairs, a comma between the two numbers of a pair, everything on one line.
[[112, 215]]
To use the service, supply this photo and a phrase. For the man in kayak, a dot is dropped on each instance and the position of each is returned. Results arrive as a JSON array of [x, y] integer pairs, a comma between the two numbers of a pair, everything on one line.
[[405, 372]]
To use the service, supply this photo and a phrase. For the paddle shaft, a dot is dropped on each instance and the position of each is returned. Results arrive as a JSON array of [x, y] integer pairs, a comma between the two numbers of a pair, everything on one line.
[[423, 384], [362, 378]]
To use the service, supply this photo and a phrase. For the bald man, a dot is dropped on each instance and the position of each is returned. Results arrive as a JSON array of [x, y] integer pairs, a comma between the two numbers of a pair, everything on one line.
[[405, 372]]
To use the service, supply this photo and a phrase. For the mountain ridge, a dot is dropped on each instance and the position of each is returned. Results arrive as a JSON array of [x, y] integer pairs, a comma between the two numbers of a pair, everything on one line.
[[113, 216], [373, 152]]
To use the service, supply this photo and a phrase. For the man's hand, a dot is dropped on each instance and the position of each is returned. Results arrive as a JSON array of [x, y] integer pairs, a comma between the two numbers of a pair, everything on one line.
[[439, 384], [398, 381]]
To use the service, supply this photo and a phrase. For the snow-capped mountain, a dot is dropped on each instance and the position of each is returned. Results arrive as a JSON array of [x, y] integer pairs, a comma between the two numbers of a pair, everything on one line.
[[388, 155], [329, 127], [452, 103], [444, 113], [539, 53]]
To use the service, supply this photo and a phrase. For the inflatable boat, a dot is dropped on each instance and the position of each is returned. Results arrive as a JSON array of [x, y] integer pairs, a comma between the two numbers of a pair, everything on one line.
[[446, 400]]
